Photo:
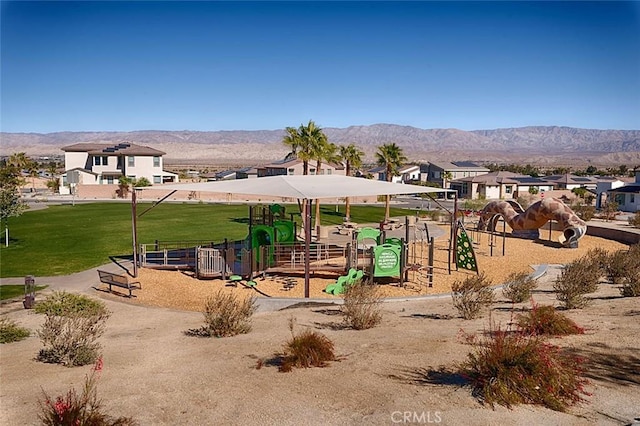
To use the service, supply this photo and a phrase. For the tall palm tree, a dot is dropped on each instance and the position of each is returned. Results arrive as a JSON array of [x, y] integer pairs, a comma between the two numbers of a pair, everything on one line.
[[391, 157], [352, 157], [325, 151], [304, 143]]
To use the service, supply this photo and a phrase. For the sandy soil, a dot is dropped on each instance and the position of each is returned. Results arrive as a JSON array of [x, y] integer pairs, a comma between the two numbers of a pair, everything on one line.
[[158, 375], [189, 293]]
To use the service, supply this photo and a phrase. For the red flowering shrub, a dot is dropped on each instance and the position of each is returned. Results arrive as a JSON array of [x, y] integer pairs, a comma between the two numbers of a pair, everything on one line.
[[79, 410], [509, 368]]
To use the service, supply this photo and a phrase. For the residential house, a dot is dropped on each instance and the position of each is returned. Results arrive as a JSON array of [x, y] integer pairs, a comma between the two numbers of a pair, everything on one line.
[[498, 185], [406, 174], [569, 181], [99, 164], [295, 167], [604, 185], [627, 196], [437, 172]]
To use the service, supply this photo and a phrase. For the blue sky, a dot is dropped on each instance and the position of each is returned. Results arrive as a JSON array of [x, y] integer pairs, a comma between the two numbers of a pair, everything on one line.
[[123, 66]]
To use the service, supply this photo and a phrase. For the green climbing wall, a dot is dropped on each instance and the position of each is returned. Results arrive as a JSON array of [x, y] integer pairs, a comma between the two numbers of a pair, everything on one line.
[[465, 256]]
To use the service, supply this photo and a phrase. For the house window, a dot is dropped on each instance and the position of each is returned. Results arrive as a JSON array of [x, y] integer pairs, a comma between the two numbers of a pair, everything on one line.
[[131, 161], [110, 180], [329, 171], [508, 189], [312, 171], [96, 161], [157, 179], [632, 198], [156, 161], [104, 161], [292, 171]]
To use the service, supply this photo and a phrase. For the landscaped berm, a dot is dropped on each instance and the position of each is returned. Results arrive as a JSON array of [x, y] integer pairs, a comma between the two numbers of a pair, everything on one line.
[[421, 364]]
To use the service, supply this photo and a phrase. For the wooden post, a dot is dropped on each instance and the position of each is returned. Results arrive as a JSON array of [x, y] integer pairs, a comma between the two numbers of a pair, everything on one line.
[[432, 243], [134, 230]]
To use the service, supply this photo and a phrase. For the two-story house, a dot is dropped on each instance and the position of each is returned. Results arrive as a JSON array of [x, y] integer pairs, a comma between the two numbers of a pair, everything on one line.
[[100, 164], [295, 167]]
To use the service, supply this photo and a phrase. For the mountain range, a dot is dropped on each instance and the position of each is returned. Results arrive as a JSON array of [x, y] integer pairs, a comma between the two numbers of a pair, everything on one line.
[[534, 144]]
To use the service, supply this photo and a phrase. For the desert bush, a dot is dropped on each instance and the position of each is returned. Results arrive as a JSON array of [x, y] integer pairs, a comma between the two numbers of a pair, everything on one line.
[[599, 257], [631, 278], [577, 279], [635, 220], [307, 349], [71, 328], [584, 211], [471, 295], [362, 305], [515, 368], [11, 332], [617, 266], [226, 315], [84, 409], [518, 287], [545, 320]]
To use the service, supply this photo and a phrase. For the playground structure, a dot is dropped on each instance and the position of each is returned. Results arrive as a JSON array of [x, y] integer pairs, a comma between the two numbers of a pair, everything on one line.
[[526, 223], [272, 247]]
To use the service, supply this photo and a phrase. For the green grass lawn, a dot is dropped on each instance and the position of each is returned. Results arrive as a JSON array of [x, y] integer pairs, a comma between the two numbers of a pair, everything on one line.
[[11, 291], [65, 239]]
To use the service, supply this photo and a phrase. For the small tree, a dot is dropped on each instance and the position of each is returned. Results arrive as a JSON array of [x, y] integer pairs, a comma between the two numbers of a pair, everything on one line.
[[11, 204], [142, 182]]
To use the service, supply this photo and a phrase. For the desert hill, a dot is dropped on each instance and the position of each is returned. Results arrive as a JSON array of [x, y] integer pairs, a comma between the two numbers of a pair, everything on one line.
[[535, 144]]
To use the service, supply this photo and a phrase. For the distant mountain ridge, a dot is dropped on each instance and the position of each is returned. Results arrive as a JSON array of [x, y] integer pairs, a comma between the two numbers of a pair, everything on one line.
[[417, 143]]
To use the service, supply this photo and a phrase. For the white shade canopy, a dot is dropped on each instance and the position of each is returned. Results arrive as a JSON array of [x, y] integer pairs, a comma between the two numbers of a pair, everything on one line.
[[306, 187]]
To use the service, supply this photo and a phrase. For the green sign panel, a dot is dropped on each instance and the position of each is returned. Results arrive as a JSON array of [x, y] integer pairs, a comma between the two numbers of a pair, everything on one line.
[[387, 260]]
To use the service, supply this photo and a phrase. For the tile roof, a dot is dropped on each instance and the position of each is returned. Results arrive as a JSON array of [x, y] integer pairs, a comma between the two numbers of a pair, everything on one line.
[[123, 148]]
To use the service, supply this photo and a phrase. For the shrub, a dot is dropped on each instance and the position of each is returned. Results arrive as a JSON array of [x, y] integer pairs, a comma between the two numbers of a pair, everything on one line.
[[631, 278], [226, 315], [545, 320], [307, 349], [635, 220], [617, 266], [577, 278], [362, 304], [471, 295], [600, 258], [71, 328], [515, 368], [11, 332], [518, 287], [83, 409]]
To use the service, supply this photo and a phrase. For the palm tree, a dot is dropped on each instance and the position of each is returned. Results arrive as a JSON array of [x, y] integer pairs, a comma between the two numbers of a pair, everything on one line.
[[328, 152], [446, 177], [391, 157], [352, 157], [304, 143]]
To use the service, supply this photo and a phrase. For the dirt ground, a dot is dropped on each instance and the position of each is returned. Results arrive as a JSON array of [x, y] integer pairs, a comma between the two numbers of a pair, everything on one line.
[[189, 293], [158, 375]]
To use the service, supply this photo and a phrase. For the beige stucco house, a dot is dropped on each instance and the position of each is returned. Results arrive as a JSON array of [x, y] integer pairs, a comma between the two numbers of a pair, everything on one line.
[[295, 167], [104, 164]]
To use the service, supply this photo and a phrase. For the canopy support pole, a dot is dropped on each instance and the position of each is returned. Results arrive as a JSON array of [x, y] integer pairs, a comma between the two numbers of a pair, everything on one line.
[[307, 244]]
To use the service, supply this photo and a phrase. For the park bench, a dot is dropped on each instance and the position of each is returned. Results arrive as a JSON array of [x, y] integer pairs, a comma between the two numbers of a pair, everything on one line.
[[118, 280]]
